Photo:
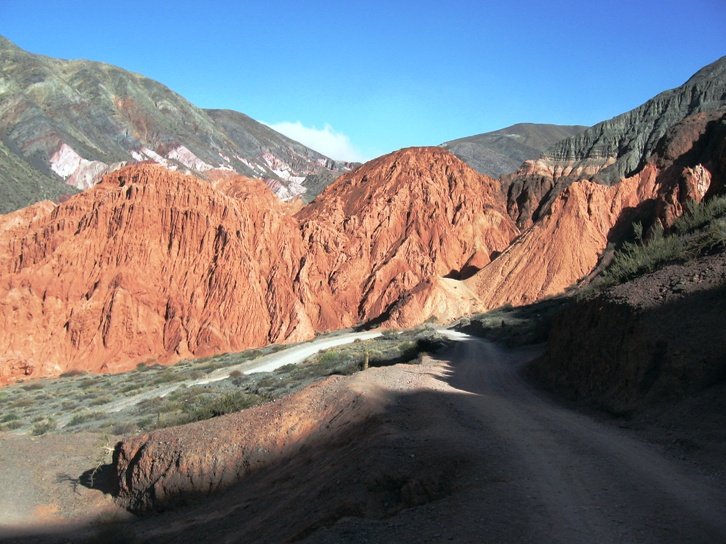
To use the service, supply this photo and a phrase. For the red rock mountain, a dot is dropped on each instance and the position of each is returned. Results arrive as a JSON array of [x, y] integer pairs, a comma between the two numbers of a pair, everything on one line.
[[154, 265], [150, 264], [565, 244], [387, 236]]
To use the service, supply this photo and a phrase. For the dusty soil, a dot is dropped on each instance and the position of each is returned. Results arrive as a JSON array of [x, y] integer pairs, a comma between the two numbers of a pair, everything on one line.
[[459, 448], [40, 487]]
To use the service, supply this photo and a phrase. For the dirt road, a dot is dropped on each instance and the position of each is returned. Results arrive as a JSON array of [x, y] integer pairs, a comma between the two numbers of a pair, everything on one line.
[[545, 473], [456, 449], [582, 481]]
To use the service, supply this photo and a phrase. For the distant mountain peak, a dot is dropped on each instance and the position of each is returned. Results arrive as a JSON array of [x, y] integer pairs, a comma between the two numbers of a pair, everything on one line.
[[503, 151], [623, 143], [64, 124]]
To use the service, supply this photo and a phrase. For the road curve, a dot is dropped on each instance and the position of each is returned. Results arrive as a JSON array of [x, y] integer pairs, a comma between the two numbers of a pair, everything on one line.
[[291, 355], [577, 479]]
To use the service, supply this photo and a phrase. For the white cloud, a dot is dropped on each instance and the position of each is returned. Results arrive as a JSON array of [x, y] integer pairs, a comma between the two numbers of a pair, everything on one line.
[[327, 141]]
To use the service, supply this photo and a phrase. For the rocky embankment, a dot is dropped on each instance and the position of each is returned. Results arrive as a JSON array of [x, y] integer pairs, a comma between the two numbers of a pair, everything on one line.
[[344, 447], [652, 341]]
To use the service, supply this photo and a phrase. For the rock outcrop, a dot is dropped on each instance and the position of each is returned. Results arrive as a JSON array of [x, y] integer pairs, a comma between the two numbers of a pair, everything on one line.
[[377, 233], [611, 150], [166, 467], [370, 445], [147, 265]]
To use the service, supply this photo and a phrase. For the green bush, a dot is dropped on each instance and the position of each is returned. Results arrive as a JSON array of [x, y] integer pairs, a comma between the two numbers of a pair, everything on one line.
[[716, 235], [267, 381], [285, 369], [697, 216], [73, 373], [129, 387], [635, 260], [78, 419], [43, 427], [87, 382], [701, 229], [329, 356], [146, 422], [210, 407], [125, 427], [33, 386], [21, 403]]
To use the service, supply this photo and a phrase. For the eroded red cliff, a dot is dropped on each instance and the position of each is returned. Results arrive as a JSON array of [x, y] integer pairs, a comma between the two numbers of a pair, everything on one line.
[[149, 265], [379, 236], [154, 265], [570, 235]]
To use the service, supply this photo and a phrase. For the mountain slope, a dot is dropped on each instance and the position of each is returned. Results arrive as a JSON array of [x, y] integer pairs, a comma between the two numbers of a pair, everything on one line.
[[566, 244], [614, 149], [148, 264], [74, 121], [389, 235], [503, 151], [154, 265]]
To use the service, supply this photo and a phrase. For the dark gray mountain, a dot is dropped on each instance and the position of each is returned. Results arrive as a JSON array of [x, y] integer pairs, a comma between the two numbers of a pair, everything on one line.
[[613, 150], [631, 137], [503, 151], [64, 124]]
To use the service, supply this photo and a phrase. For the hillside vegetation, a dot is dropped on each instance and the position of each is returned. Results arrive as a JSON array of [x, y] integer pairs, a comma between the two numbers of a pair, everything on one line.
[[701, 230], [155, 396]]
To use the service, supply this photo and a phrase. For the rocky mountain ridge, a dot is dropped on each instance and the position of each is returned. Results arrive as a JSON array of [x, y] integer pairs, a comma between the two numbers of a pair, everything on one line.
[[503, 151], [74, 121], [587, 219], [153, 265], [614, 149]]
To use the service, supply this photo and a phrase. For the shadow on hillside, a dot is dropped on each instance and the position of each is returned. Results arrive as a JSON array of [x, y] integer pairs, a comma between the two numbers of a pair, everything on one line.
[[626, 357]]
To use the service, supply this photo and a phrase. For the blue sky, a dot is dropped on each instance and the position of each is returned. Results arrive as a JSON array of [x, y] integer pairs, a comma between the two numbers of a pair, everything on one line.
[[360, 79]]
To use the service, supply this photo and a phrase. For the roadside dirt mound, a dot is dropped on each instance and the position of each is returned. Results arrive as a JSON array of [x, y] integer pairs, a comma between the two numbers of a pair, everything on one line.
[[347, 446], [651, 341]]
